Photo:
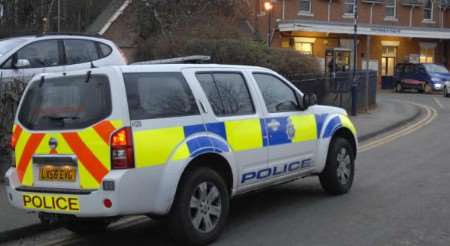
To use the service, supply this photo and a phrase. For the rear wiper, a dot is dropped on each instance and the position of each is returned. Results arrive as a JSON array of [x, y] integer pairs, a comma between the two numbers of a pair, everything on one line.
[[61, 118]]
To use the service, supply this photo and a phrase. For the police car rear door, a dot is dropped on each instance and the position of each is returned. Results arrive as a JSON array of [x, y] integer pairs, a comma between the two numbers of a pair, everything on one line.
[[163, 110], [292, 134]]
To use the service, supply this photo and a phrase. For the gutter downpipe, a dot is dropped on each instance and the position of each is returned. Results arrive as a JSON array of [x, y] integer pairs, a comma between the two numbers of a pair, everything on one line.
[[330, 2]]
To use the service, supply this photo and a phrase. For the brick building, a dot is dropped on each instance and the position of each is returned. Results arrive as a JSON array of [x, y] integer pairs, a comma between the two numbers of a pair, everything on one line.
[[390, 31]]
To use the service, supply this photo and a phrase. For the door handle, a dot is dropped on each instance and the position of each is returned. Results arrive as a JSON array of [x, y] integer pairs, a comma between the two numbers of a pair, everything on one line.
[[274, 125]]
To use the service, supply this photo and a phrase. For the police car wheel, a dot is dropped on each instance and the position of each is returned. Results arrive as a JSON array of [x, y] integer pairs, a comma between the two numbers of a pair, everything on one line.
[[86, 226], [337, 177], [446, 92], [200, 209]]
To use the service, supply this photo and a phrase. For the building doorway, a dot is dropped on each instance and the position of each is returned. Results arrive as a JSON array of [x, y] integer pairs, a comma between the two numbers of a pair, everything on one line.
[[388, 60]]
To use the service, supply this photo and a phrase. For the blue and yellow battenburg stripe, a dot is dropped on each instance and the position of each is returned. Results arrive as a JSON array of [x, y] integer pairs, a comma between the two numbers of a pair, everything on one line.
[[155, 147]]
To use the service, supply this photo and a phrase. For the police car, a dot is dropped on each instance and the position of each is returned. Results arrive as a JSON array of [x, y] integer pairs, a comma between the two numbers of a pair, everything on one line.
[[169, 141]]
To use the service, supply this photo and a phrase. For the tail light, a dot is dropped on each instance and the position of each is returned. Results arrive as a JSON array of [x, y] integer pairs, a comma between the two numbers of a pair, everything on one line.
[[122, 154], [13, 148]]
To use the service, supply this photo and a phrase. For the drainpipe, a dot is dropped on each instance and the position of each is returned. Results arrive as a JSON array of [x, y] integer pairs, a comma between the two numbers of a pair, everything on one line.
[[371, 13], [411, 15], [284, 10], [329, 9]]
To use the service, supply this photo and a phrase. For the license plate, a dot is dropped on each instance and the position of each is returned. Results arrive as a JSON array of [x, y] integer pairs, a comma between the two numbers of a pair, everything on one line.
[[51, 202], [63, 173]]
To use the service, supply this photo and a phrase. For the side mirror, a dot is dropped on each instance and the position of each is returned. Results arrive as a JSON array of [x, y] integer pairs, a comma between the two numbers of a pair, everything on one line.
[[22, 63], [309, 100]]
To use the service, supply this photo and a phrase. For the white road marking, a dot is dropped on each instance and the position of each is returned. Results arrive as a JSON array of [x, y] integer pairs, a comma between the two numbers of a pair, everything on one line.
[[438, 103]]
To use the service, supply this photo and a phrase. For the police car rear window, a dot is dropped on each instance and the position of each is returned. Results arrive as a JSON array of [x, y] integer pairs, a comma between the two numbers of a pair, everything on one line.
[[158, 95], [70, 102]]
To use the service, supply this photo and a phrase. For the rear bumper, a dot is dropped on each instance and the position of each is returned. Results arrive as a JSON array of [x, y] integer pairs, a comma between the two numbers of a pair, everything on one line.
[[132, 195]]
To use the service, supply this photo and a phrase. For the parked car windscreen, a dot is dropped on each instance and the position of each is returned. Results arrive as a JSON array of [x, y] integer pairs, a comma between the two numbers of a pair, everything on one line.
[[433, 68], [8, 44], [70, 102]]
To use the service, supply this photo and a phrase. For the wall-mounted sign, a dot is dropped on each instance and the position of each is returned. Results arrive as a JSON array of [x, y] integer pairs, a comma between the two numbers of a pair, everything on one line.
[[385, 29]]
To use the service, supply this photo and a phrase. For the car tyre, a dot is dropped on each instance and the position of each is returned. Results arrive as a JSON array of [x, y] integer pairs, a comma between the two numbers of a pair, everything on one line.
[[337, 177], [428, 89], [86, 226], [398, 87], [446, 94], [200, 209]]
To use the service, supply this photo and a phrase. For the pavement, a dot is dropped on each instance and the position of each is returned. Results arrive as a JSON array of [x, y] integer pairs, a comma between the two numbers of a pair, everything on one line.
[[390, 114]]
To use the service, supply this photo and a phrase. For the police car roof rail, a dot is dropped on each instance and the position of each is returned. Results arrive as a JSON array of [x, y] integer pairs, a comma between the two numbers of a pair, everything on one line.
[[177, 60]]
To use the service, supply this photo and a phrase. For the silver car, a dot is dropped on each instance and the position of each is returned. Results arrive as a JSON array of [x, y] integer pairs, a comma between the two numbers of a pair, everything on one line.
[[23, 57]]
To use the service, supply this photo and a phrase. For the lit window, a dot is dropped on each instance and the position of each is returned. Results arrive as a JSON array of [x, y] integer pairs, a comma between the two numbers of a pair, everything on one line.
[[428, 10], [305, 6], [426, 55], [390, 8], [304, 48], [349, 7]]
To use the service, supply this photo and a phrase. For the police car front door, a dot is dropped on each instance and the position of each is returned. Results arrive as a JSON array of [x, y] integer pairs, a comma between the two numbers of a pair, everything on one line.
[[291, 132]]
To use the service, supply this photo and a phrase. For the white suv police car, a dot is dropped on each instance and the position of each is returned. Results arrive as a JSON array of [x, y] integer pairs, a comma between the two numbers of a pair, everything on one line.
[[171, 141]]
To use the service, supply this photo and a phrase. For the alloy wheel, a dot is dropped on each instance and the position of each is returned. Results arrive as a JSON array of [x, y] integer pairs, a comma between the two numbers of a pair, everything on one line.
[[205, 207], [343, 169]]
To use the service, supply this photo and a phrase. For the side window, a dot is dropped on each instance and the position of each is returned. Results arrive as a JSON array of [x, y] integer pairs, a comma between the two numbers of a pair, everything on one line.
[[105, 50], [278, 96], [158, 95], [227, 93], [399, 69], [80, 51], [408, 69], [40, 54]]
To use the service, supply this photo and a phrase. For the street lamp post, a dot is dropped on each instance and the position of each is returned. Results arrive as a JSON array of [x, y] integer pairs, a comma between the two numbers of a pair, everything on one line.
[[355, 56], [268, 7]]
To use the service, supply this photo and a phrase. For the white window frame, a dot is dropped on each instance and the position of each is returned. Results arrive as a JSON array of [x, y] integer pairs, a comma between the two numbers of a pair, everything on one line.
[[352, 3], [431, 11], [392, 6], [305, 12]]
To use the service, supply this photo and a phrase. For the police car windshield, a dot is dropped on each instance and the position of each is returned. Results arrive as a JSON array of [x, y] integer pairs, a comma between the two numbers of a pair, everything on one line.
[[8, 44], [66, 103]]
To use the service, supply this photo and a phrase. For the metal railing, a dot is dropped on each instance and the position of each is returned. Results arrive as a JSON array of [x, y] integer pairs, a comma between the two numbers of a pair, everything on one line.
[[336, 90]]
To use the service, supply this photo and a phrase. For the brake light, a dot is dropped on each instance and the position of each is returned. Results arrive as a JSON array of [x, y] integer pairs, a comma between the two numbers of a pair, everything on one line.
[[122, 153]]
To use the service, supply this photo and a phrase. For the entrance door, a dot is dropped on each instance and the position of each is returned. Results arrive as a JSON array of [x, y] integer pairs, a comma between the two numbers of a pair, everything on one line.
[[388, 60], [387, 66]]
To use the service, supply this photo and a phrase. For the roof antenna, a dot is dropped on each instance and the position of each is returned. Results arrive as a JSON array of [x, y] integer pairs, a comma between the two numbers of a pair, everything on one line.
[[91, 61], [88, 76], [41, 83]]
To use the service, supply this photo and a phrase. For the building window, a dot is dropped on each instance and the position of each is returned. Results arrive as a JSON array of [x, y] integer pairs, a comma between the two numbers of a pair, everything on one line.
[[388, 60], [305, 6], [390, 9], [426, 55], [304, 45], [349, 7], [304, 48], [428, 10]]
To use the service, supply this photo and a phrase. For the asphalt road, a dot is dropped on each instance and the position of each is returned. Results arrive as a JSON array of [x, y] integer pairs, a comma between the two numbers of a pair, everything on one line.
[[401, 196]]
